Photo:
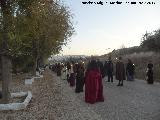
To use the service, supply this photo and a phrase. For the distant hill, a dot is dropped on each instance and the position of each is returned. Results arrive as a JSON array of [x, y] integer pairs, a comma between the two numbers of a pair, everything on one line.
[[68, 57], [123, 51]]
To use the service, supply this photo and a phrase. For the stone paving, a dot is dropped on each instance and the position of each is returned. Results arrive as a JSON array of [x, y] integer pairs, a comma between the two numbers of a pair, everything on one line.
[[136, 100]]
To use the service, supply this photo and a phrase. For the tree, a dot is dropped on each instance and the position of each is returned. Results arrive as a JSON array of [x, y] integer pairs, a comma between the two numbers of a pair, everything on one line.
[[31, 30], [6, 23], [51, 28], [48, 26], [151, 41]]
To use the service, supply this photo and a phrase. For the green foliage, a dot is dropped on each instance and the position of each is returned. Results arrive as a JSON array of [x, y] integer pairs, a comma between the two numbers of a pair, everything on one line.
[[151, 41], [39, 29]]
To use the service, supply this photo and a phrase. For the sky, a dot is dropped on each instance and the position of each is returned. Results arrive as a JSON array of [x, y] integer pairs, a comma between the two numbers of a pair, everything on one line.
[[101, 28]]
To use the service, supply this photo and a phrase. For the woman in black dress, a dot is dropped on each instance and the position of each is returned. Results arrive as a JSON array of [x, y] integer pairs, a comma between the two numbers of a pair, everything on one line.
[[150, 73], [79, 78]]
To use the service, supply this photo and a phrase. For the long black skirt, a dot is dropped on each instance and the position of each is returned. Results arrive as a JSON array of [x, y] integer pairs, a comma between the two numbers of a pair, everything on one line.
[[58, 72], [72, 79], [150, 77], [79, 84]]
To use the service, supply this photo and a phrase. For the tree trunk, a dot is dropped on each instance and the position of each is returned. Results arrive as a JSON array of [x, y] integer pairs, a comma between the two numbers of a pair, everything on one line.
[[35, 55], [5, 59], [6, 78], [35, 67]]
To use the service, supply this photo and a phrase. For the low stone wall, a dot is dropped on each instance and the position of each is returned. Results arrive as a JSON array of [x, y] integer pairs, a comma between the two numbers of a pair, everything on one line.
[[17, 106], [29, 81]]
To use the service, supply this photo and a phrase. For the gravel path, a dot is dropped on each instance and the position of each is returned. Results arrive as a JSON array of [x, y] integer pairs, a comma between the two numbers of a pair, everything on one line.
[[134, 101], [53, 99]]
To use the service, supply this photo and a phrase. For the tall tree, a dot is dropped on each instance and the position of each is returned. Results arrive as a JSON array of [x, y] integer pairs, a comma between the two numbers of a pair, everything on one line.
[[30, 30], [49, 27]]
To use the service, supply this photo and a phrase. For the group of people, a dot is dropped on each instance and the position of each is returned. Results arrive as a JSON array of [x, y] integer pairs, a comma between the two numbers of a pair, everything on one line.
[[73, 72], [79, 75], [120, 72]]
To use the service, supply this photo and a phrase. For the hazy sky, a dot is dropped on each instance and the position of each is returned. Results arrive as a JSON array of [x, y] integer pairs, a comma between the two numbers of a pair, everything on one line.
[[99, 27]]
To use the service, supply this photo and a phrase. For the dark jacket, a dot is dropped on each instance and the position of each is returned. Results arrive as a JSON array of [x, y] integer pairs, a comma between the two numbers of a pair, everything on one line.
[[109, 67], [130, 68]]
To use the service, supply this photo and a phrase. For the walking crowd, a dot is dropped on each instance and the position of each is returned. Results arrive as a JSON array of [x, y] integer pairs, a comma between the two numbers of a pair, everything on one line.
[[88, 76]]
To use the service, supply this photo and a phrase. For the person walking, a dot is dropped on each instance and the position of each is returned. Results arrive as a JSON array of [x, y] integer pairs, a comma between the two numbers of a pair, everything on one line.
[[64, 72], [110, 70], [149, 73], [59, 68], [120, 71], [79, 78], [68, 70], [72, 75], [93, 84], [130, 68]]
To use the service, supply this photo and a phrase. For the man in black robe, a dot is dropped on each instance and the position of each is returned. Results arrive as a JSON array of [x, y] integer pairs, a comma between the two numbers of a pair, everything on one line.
[[110, 70]]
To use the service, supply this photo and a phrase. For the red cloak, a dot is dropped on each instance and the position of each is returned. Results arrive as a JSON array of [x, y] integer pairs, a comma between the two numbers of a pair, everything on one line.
[[93, 86]]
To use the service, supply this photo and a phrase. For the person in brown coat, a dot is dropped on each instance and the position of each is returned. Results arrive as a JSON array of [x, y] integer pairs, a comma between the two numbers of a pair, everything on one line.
[[120, 71]]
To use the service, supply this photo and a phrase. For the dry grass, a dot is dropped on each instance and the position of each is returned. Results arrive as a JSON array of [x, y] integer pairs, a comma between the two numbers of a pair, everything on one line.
[[141, 60]]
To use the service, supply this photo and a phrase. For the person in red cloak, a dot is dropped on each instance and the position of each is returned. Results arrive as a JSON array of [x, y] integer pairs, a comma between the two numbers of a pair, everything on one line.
[[93, 84]]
